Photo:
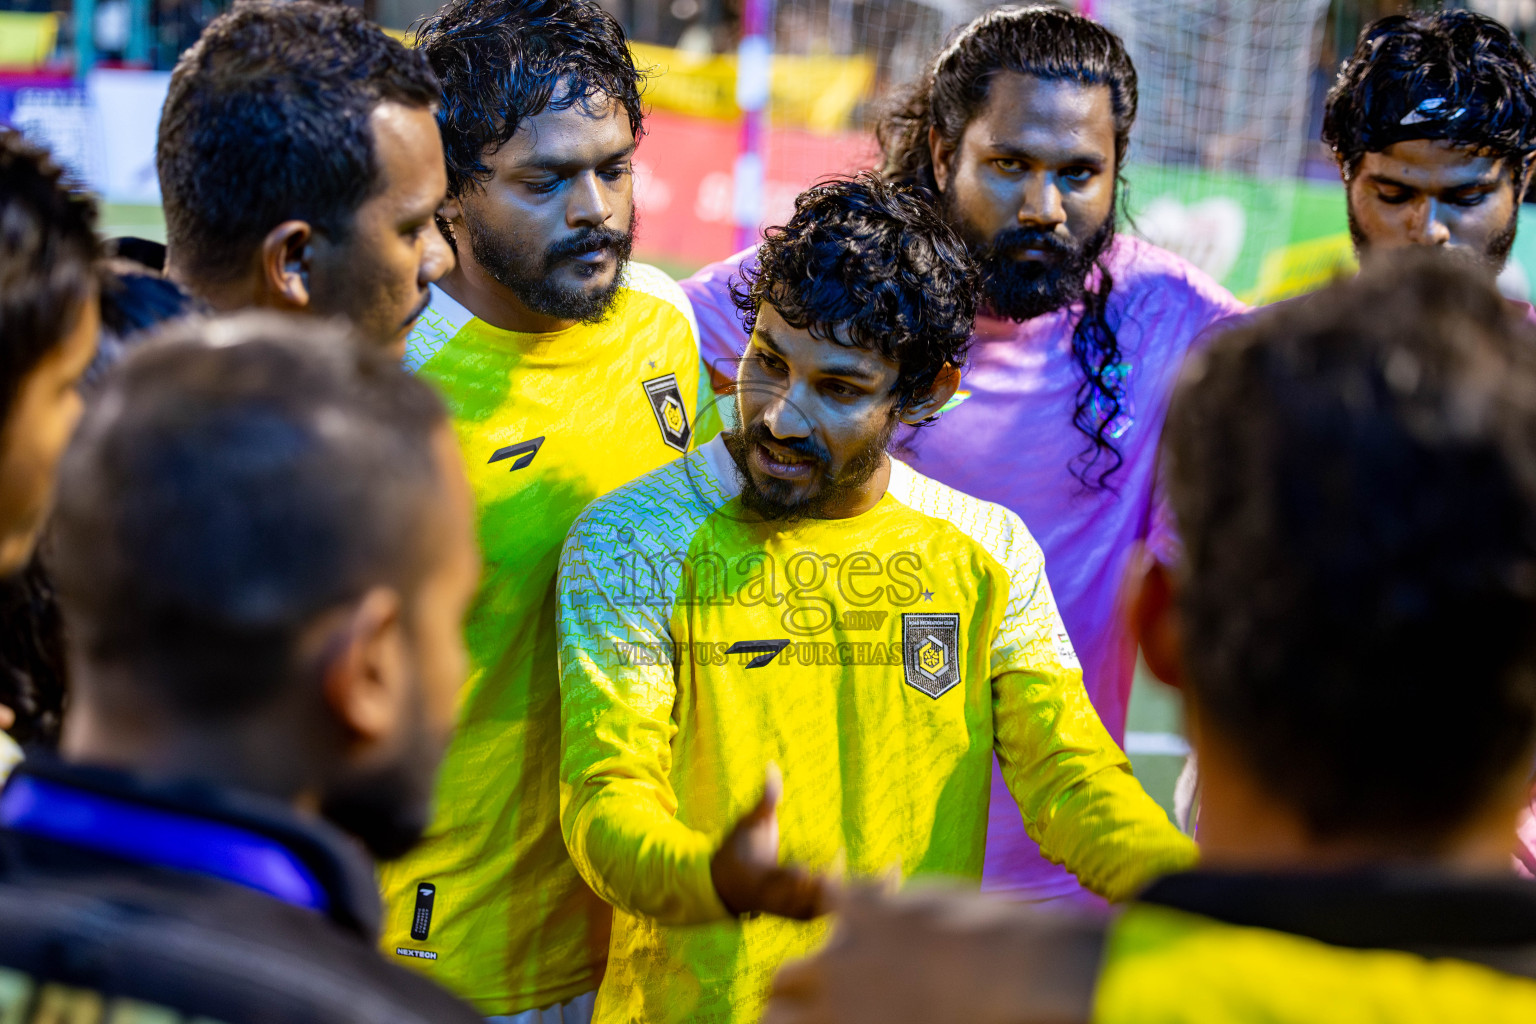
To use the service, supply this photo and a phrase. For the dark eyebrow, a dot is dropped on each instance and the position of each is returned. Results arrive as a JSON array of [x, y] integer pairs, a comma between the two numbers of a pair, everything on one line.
[[1019, 153], [572, 166], [854, 371], [1482, 181]]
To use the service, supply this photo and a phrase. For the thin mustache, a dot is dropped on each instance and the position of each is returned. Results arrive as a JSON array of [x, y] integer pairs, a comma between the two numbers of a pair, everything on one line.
[[426, 300]]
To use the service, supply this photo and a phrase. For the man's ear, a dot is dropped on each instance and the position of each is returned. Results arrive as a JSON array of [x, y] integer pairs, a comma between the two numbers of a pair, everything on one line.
[[285, 256], [366, 681], [1154, 619], [927, 405], [449, 216], [940, 154], [1525, 178]]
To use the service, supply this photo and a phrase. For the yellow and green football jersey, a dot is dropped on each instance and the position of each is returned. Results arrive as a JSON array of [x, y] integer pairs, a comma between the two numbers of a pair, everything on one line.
[[1168, 966], [878, 660], [490, 905]]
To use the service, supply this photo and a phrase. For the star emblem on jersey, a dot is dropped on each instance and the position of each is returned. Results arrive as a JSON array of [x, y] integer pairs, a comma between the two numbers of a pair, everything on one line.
[[766, 650], [930, 648], [671, 416], [523, 451]]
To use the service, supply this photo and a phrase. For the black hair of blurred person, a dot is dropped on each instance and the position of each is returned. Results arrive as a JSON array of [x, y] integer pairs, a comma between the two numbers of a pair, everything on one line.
[[1052, 44], [49, 318], [49, 257], [1353, 476], [34, 679], [504, 62], [1454, 75], [236, 493], [281, 125]]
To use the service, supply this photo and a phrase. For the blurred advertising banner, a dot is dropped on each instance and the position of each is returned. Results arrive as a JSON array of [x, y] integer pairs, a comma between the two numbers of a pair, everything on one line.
[[1263, 238], [683, 184], [818, 93], [103, 132]]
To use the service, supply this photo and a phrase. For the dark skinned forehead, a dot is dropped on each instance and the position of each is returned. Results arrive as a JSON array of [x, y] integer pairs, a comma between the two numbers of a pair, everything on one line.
[[836, 360], [570, 139], [1420, 163], [1046, 120]]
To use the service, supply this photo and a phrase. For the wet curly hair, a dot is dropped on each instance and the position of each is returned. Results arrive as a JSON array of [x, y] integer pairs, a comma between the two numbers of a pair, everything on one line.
[[504, 61], [1452, 75], [870, 264]]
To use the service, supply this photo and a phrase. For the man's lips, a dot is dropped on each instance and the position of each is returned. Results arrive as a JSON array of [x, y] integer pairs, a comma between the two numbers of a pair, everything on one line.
[[780, 463]]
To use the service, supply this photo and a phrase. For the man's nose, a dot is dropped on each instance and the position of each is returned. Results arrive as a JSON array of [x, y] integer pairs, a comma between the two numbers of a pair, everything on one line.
[[587, 205], [783, 417], [1428, 226], [1041, 206]]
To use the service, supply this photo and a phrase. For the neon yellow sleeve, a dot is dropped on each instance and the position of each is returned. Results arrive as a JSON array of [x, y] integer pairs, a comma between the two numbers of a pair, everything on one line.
[[1072, 783], [617, 686]]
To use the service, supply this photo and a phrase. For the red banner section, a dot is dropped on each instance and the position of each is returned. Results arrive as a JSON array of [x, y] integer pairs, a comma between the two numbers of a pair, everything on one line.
[[683, 186]]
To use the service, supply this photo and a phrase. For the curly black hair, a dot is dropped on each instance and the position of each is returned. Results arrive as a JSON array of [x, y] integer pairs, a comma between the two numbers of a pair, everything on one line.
[[869, 263], [1452, 75], [267, 120], [1354, 479], [504, 61], [1057, 45]]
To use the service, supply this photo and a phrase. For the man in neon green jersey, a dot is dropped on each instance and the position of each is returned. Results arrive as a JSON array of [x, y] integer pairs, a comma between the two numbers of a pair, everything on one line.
[[789, 595], [568, 371]]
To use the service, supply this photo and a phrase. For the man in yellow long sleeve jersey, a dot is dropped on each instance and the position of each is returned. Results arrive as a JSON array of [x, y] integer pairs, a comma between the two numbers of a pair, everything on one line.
[[788, 595], [569, 371]]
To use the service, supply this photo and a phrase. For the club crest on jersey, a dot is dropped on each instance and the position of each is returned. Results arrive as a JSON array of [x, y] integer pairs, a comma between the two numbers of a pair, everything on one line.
[[930, 652], [671, 415]]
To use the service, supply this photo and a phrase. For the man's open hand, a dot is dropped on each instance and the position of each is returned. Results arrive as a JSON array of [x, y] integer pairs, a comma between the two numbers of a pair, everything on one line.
[[746, 869]]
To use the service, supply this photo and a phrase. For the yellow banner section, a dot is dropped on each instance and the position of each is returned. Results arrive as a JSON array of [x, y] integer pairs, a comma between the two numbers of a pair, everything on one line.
[[26, 40], [1303, 267], [819, 93]]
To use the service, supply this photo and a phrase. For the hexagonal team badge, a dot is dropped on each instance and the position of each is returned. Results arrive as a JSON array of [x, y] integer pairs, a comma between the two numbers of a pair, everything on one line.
[[671, 415], [930, 647]]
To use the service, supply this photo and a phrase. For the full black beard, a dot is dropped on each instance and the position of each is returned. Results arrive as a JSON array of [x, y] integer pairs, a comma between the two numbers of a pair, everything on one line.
[[530, 277], [388, 809], [1494, 256], [1021, 290], [772, 502]]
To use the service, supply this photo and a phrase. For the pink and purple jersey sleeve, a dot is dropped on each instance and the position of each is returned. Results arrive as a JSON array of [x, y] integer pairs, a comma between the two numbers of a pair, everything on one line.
[[721, 334]]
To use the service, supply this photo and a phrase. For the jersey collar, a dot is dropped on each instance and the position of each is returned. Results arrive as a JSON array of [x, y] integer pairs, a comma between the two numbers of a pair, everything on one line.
[[1431, 913]]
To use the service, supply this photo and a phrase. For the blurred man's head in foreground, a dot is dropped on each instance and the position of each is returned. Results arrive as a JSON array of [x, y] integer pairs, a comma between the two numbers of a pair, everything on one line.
[[1354, 619], [301, 168], [49, 321], [540, 117], [860, 312], [1433, 123], [264, 547]]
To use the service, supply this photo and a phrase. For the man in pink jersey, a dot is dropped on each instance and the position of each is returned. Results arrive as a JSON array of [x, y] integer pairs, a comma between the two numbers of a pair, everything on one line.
[[1020, 127]]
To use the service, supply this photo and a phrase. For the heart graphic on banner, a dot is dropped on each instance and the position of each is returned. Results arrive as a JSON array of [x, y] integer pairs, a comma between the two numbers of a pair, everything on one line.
[[1208, 233]]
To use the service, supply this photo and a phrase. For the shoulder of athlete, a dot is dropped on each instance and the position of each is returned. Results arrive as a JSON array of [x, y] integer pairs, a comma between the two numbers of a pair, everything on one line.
[[1164, 291], [654, 514], [997, 530], [651, 285]]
